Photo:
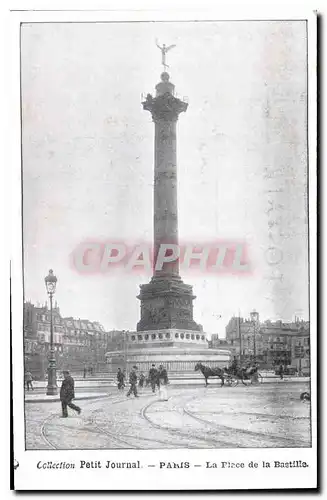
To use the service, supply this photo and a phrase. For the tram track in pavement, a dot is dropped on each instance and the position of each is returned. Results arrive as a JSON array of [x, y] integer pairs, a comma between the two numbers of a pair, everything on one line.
[[216, 443], [128, 441], [95, 430], [221, 427], [142, 438]]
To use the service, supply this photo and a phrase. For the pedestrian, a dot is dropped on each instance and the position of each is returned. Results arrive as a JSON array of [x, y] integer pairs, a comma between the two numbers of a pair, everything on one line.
[[120, 379], [234, 367], [164, 375], [84, 372], [29, 380], [141, 380], [67, 394], [281, 371], [133, 382], [154, 378]]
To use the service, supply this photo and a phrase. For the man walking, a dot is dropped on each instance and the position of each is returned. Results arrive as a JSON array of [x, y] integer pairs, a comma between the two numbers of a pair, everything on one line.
[[154, 378], [28, 380], [141, 380], [133, 382], [120, 379], [163, 375], [67, 393]]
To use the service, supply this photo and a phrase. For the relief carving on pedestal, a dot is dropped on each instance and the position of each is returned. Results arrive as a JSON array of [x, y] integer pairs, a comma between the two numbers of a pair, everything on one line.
[[152, 314], [178, 302], [182, 314]]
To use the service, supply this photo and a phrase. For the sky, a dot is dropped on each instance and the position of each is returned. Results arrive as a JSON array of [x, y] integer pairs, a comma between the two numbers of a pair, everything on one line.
[[88, 150]]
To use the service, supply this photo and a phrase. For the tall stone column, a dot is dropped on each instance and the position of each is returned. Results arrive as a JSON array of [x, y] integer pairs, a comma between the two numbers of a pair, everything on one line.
[[166, 302], [165, 109]]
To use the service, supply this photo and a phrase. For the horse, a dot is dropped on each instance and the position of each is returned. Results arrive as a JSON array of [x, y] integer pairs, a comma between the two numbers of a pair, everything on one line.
[[207, 372]]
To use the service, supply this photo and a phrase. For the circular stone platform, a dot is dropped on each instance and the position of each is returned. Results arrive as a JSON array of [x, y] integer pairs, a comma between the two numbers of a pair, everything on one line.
[[175, 359]]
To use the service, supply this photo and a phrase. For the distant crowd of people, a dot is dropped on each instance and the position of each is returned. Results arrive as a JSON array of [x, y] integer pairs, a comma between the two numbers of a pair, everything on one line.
[[154, 378]]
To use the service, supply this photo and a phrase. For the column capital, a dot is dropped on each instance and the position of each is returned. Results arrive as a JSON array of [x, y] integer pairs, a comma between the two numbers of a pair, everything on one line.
[[165, 107]]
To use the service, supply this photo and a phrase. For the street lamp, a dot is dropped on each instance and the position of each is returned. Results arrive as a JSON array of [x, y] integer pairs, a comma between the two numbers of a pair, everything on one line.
[[52, 388], [125, 351]]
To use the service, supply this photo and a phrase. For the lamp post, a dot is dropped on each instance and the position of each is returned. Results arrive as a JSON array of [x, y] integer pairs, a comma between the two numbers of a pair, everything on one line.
[[125, 351], [52, 388], [240, 338]]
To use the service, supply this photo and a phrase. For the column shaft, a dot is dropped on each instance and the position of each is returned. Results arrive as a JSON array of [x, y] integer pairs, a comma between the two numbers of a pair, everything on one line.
[[165, 192]]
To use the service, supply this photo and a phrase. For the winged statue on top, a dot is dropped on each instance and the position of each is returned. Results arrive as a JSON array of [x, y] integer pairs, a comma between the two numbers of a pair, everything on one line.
[[164, 49]]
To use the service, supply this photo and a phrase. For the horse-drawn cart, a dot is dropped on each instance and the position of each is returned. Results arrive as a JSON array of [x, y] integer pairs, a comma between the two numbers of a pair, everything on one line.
[[231, 377]]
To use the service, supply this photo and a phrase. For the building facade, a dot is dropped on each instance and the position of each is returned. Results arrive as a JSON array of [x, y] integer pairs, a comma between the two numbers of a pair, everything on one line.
[[78, 343], [271, 343]]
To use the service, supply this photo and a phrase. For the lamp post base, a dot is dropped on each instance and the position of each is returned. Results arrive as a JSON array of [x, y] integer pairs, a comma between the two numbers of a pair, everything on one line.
[[52, 388]]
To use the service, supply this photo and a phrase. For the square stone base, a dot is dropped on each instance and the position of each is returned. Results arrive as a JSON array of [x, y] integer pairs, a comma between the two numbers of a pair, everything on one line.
[[167, 303]]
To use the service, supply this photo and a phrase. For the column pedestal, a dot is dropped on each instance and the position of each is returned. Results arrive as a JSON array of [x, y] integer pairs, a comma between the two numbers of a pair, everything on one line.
[[167, 303]]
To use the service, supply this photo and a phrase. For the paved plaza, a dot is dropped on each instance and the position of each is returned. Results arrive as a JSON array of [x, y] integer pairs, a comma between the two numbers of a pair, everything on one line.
[[269, 415]]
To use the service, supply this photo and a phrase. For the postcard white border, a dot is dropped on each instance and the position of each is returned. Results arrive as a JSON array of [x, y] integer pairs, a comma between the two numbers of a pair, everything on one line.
[[27, 477]]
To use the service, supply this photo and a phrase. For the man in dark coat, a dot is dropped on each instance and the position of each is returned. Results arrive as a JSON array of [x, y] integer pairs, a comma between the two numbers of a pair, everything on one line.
[[141, 380], [133, 382], [154, 378], [120, 379], [163, 375], [67, 393]]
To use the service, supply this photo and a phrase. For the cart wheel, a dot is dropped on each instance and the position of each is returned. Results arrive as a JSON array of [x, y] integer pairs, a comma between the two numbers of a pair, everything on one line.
[[229, 381]]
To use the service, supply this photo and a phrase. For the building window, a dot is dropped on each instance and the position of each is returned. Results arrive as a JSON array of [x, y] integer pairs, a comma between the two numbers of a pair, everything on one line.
[[146, 337], [192, 336], [153, 336], [140, 337], [202, 337], [176, 336], [160, 335], [182, 335], [133, 337], [198, 337], [187, 335], [167, 335]]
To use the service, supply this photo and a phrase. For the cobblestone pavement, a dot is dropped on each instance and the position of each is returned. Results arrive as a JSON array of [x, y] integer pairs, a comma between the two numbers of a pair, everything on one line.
[[194, 417]]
